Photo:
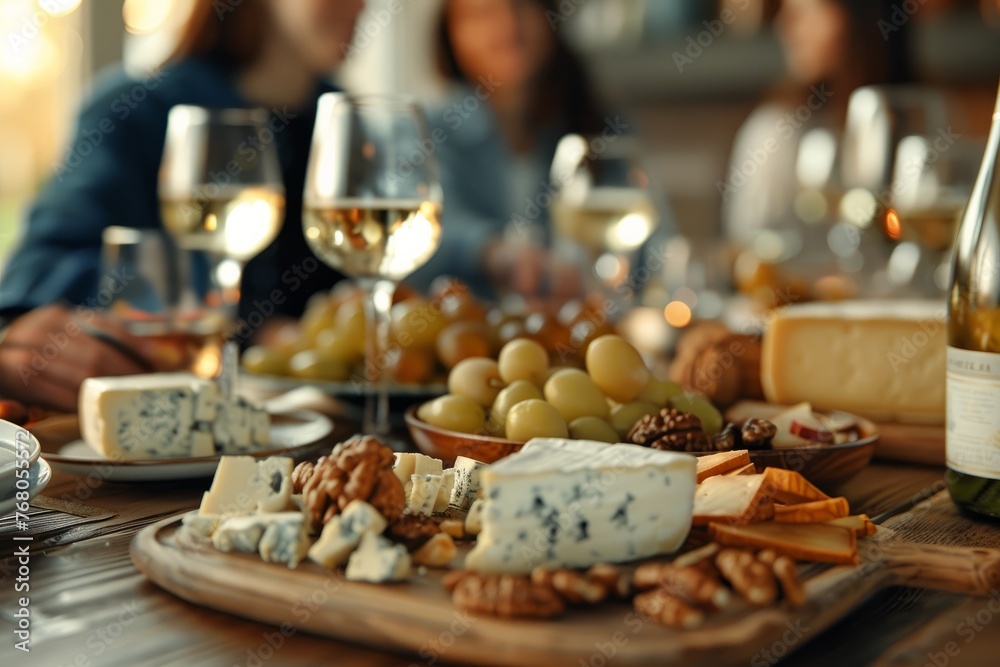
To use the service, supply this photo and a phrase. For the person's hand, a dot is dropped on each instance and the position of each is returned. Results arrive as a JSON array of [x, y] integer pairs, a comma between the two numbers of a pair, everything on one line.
[[47, 354], [529, 270]]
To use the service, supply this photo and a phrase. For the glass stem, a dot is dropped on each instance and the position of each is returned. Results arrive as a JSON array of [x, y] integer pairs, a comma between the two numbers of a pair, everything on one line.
[[377, 355]]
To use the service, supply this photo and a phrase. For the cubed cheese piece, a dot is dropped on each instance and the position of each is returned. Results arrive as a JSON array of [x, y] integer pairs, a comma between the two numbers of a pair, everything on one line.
[[883, 360], [444, 492], [147, 416], [342, 534], [408, 464], [474, 519], [200, 526], [575, 503], [285, 539], [243, 485], [377, 561], [466, 489], [241, 428], [424, 493], [243, 533]]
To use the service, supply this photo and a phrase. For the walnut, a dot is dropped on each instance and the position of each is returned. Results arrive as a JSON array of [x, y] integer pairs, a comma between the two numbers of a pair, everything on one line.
[[787, 574], [506, 596], [359, 468], [574, 586], [758, 434], [724, 366], [670, 430], [693, 584], [667, 609], [438, 551], [749, 577], [728, 439], [413, 530]]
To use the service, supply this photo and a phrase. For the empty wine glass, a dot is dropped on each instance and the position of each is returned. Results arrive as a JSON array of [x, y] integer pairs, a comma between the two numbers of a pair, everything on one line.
[[371, 209]]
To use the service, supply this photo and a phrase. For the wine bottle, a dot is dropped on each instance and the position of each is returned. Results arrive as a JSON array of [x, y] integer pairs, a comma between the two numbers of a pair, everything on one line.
[[973, 376]]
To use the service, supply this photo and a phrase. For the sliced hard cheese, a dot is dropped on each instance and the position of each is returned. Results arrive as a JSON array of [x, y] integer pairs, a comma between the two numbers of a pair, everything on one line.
[[342, 534], [790, 487], [574, 503], [884, 360], [467, 482], [717, 464], [377, 560], [859, 523], [816, 511], [805, 541], [243, 485], [737, 500]]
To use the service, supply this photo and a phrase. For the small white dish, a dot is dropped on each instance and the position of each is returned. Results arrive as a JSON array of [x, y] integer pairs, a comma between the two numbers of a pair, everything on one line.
[[38, 478], [291, 433], [10, 443]]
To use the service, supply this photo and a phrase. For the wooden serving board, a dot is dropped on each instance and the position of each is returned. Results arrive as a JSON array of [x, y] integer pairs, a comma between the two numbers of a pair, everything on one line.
[[418, 616]]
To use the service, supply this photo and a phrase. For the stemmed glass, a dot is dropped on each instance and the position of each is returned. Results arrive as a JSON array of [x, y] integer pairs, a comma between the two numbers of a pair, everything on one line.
[[221, 192], [603, 211], [371, 209]]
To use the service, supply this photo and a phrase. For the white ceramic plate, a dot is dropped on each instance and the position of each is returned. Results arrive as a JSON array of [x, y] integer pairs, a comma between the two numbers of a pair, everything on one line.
[[291, 433], [8, 451], [38, 477]]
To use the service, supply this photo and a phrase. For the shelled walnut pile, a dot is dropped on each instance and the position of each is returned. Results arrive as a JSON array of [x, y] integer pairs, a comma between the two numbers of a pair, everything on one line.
[[675, 431], [678, 594]]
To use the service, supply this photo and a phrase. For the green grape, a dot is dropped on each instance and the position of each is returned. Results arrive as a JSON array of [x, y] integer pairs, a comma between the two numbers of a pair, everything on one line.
[[592, 428], [616, 367], [523, 359], [534, 418], [454, 413], [574, 394], [625, 415], [478, 378]]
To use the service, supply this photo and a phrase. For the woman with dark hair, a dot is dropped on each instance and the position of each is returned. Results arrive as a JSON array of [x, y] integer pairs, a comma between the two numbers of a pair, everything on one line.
[[515, 90], [253, 53], [831, 48]]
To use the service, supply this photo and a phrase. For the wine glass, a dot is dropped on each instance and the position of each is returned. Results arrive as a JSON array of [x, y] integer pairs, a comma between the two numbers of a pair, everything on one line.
[[371, 209], [603, 210], [221, 193]]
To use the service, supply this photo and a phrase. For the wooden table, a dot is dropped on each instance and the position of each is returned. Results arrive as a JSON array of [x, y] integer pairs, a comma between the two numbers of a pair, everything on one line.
[[89, 605]]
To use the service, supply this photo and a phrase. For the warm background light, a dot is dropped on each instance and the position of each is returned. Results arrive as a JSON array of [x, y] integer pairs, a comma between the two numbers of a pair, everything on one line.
[[145, 16], [677, 314]]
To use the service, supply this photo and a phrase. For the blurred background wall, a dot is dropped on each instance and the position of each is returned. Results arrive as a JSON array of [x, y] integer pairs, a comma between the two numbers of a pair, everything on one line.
[[688, 112]]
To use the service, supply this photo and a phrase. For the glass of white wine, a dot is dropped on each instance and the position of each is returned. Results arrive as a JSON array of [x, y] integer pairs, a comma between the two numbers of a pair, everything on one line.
[[372, 209], [603, 211], [221, 189], [221, 193]]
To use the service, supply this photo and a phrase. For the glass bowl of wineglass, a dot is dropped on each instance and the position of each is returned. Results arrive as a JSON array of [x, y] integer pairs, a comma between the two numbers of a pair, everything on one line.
[[372, 209], [603, 211]]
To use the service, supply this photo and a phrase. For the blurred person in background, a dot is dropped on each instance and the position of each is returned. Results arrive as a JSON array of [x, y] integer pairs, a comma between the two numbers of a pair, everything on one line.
[[515, 90], [257, 53], [831, 47]]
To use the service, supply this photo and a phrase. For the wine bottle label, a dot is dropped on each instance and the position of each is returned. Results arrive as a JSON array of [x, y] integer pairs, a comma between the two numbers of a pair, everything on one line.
[[972, 439]]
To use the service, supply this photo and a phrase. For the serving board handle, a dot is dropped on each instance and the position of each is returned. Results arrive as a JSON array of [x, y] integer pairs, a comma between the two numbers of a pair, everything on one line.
[[971, 571]]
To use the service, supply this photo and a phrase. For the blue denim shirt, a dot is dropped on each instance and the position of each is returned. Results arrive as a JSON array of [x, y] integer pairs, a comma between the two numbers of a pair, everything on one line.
[[108, 176]]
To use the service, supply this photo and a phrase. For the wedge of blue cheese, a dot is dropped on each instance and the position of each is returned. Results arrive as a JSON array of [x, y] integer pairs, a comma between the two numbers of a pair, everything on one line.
[[167, 415], [377, 561], [424, 491], [342, 534], [245, 485], [575, 503], [408, 464]]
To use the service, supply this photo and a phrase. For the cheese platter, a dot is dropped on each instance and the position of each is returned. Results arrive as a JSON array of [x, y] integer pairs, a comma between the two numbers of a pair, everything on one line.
[[373, 576]]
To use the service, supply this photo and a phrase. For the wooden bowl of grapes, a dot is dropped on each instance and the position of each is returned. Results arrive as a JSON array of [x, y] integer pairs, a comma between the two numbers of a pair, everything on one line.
[[448, 445]]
